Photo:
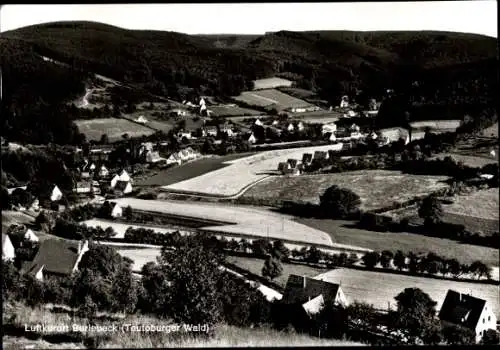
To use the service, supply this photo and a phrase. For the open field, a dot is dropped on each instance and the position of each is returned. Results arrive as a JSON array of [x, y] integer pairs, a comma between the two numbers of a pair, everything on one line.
[[271, 98], [320, 117], [190, 170], [470, 160], [492, 131], [380, 288], [340, 232], [377, 188], [248, 220], [233, 111], [113, 127], [120, 228], [271, 83], [437, 124], [140, 256], [481, 204], [297, 92], [254, 265], [243, 172]]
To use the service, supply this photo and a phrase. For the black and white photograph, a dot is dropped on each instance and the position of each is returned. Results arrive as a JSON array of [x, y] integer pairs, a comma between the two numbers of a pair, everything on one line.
[[186, 175]]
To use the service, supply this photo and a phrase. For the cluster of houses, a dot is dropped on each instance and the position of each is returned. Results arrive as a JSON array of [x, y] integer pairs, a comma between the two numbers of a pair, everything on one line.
[[296, 167], [307, 296]]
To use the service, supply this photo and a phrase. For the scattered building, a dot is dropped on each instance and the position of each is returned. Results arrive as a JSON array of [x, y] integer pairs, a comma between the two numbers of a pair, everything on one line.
[[103, 171], [141, 120], [329, 128], [55, 194], [116, 211], [30, 236], [307, 158], [8, 251], [252, 139], [56, 257], [174, 159], [123, 187], [469, 312]]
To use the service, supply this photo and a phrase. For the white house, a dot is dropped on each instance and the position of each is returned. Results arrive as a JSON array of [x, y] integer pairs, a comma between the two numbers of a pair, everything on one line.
[[185, 134], [275, 122], [123, 187], [174, 159], [56, 194], [290, 127], [252, 139], [83, 187], [202, 102], [344, 102], [114, 180], [332, 137], [30, 236], [124, 176], [116, 211], [258, 122], [141, 120], [469, 312], [300, 126], [103, 172], [328, 128], [8, 251]]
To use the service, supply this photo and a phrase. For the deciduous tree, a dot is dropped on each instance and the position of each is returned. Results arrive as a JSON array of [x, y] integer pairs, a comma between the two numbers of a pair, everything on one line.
[[272, 267]]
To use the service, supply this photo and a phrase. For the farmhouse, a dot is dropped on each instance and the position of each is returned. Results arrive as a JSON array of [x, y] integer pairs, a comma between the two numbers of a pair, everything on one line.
[[123, 187], [252, 139], [468, 311], [328, 128], [83, 187], [8, 252], [124, 176], [103, 171], [258, 122], [55, 194], [290, 127], [174, 159], [116, 211], [141, 120], [19, 234], [56, 258], [311, 293]]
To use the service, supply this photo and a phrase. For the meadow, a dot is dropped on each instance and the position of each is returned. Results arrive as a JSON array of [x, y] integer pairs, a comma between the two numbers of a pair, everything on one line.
[[469, 160], [189, 170], [270, 98], [480, 203], [233, 111], [492, 131], [140, 256], [242, 173], [437, 124], [113, 127], [271, 83], [344, 232], [379, 289], [247, 220], [376, 188]]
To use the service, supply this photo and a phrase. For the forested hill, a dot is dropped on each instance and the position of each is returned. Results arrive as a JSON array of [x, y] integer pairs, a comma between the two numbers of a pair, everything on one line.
[[329, 62]]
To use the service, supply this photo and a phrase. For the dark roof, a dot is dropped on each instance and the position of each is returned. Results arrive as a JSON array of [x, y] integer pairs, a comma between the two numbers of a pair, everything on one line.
[[56, 255], [292, 162], [121, 185], [307, 157], [461, 309], [300, 289]]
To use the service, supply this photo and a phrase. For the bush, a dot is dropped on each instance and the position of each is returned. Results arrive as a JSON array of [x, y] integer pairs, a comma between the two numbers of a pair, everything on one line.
[[339, 202]]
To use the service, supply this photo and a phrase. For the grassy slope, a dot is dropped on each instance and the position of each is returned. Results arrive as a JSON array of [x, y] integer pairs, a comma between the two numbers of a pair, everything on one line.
[[225, 336], [406, 242]]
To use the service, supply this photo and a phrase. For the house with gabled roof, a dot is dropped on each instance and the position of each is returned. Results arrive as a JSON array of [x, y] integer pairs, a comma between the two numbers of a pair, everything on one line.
[[307, 158], [55, 194], [467, 311], [116, 210], [56, 257], [103, 171], [174, 159], [8, 251], [83, 187], [123, 187], [114, 180], [252, 139], [124, 176]]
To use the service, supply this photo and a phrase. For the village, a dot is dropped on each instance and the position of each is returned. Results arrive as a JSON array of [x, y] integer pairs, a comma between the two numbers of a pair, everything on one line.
[[259, 190]]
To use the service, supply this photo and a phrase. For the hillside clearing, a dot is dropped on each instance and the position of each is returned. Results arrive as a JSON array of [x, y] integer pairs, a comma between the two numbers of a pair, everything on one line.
[[407, 242], [377, 188], [271, 98], [243, 172], [140, 256], [481, 204], [380, 288], [469, 160], [248, 220], [113, 127]]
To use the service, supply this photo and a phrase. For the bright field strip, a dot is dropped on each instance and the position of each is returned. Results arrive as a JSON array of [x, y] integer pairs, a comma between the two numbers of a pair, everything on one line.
[[481, 204], [267, 98], [437, 124], [380, 288], [242, 173], [271, 83], [377, 188], [113, 127], [248, 221], [469, 160]]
